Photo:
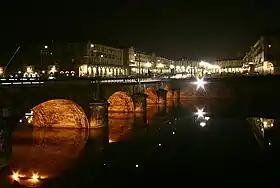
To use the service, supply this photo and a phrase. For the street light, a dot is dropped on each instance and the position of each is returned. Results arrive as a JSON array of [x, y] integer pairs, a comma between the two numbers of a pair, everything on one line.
[[46, 47]]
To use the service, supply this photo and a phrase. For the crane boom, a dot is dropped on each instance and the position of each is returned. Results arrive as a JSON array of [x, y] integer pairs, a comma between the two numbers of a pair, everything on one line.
[[11, 58]]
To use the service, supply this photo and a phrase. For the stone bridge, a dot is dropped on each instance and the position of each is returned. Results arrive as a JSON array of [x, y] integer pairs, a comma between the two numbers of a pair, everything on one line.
[[54, 98], [71, 100]]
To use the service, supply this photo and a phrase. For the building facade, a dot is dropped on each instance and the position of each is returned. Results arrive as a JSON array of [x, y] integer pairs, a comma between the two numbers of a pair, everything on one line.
[[101, 60], [264, 56], [230, 65], [147, 64]]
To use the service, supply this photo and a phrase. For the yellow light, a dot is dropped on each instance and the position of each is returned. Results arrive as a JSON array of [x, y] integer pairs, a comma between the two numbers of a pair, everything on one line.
[[172, 66], [30, 120], [29, 69], [35, 177], [148, 64], [15, 176], [160, 65], [101, 56]]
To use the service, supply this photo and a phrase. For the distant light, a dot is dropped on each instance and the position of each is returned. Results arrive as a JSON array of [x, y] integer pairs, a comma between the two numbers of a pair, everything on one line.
[[43, 71], [136, 165], [91, 45], [160, 65], [173, 133], [169, 122], [269, 45], [202, 124], [46, 47], [20, 120], [15, 176], [199, 83], [101, 56], [269, 143], [207, 118], [35, 177], [200, 113], [134, 55], [19, 72], [172, 66], [104, 164], [159, 144]]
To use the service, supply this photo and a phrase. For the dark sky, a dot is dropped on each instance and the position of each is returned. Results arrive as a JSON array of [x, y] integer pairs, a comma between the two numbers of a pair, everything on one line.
[[197, 29]]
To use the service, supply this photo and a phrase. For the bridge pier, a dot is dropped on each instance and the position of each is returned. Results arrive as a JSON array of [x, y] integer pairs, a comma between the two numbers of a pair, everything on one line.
[[98, 114], [161, 93], [140, 104], [176, 93]]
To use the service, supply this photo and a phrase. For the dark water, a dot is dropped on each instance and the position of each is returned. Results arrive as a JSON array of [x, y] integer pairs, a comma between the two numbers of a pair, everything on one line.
[[171, 146]]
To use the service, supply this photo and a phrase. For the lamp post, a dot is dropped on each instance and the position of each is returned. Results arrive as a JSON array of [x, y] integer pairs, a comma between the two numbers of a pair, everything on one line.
[[45, 47], [139, 68]]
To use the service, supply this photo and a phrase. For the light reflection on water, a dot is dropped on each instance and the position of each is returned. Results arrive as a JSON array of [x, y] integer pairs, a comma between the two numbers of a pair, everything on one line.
[[46, 151], [50, 152]]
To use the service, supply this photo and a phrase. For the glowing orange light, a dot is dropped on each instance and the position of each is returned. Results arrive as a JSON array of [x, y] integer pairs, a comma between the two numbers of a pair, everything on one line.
[[15, 176], [35, 177]]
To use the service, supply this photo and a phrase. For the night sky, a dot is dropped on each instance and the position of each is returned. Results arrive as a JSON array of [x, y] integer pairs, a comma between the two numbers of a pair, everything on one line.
[[199, 30]]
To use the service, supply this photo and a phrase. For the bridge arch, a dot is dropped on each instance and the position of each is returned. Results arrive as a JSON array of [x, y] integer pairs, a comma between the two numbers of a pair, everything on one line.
[[59, 113], [120, 101], [169, 92], [152, 97]]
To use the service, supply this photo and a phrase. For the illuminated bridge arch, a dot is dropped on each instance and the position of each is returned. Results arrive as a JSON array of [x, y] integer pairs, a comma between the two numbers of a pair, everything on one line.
[[120, 102], [169, 92], [59, 113], [152, 97]]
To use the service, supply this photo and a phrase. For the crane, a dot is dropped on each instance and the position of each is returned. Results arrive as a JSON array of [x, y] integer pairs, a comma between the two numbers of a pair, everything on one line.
[[11, 59]]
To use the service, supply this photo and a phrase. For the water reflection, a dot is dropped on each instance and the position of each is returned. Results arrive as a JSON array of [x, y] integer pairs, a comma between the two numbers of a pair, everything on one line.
[[201, 117], [46, 151], [120, 126], [39, 153]]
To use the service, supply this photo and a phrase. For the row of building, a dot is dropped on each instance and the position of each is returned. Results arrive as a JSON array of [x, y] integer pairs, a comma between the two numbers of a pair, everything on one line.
[[90, 60]]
